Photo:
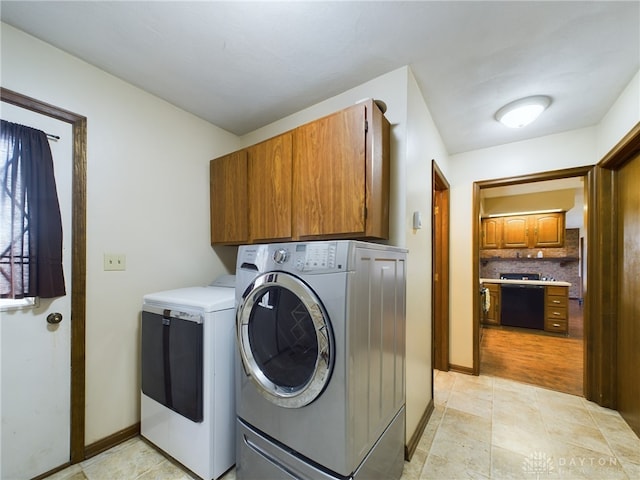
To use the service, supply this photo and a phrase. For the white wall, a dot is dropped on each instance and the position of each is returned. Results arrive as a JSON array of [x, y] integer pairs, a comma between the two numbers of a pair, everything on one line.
[[565, 150], [147, 197]]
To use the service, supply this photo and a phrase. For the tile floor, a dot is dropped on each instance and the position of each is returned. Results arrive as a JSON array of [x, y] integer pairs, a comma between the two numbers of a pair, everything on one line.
[[482, 428]]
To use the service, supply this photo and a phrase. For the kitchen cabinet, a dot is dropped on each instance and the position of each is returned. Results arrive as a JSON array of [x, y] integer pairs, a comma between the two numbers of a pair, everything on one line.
[[556, 308], [228, 199], [325, 179], [269, 189], [491, 233], [341, 175], [548, 230], [524, 231], [515, 232], [492, 317]]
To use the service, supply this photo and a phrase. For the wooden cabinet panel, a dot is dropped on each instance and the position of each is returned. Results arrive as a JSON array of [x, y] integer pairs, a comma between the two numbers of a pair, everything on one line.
[[228, 198], [491, 233], [326, 179], [329, 171], [270, 172], [492, 317], [556, 306], [548, 230], [515, 232]]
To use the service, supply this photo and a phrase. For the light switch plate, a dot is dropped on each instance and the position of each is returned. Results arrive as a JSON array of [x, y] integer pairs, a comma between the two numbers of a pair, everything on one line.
[[115, 261]]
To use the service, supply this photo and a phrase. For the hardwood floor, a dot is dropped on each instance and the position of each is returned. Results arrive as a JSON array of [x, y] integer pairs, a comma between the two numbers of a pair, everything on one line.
[[535, 357]]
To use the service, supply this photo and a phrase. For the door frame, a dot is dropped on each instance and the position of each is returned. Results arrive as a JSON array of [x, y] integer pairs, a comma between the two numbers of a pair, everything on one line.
[[601, 384], [440, 221], [78, 259], [587, 173]]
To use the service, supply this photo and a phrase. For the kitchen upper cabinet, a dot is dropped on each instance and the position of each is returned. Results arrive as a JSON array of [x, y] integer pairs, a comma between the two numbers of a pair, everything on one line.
[[341, 175], [515, 232], [548, 230], [269, 186], [524, 231], [228, 199], [491, 233]]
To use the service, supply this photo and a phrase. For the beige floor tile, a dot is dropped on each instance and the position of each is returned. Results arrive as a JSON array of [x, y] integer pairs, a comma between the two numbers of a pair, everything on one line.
[[481, 428]]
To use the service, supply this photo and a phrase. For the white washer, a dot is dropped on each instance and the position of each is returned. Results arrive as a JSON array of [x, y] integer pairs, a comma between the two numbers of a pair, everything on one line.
[[187, 397]]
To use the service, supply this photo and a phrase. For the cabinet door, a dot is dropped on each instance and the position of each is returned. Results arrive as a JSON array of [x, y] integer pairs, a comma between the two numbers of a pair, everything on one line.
[[515, 232], [270, 170], [492, 233], [548, 230], [492, 317], [228, 199], [329, 175]]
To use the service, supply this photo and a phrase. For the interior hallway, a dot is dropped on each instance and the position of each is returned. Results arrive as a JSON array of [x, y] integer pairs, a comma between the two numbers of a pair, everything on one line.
[[482, 427]]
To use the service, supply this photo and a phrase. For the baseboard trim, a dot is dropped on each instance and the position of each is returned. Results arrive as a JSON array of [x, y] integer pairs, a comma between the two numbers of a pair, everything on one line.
[[111, 441], [461, 369], [410, 448]]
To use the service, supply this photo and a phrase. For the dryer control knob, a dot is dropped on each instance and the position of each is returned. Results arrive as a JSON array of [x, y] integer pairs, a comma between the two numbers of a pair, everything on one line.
[[280, 256]]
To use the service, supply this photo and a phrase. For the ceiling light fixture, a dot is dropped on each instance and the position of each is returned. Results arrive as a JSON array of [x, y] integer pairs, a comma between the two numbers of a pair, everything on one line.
[[522, 112]]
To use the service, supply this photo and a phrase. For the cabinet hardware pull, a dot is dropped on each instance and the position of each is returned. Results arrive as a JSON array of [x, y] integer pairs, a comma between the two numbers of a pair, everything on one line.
[[556, 325], [556, 301], [556, 313]]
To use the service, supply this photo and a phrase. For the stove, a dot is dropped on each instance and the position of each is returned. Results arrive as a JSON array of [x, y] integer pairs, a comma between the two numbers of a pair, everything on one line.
[[519, 276]]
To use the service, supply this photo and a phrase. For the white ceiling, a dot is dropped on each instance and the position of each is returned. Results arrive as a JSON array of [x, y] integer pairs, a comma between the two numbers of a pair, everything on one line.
[[243, 65]]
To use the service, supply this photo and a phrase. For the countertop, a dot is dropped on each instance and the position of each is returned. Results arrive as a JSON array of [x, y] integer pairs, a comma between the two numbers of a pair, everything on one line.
[[525, 282]]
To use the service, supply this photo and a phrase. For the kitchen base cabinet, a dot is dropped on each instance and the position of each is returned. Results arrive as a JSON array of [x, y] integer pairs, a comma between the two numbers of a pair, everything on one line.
[[556, 308], [492, 317]]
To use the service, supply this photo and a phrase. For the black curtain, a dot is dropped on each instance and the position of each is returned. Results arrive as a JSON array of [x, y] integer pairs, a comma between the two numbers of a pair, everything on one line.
[[30, 222]]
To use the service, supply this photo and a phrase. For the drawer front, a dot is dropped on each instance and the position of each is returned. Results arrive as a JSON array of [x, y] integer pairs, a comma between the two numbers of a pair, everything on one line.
[[556, 313], [554, 325], [554, 301], [560, 291]]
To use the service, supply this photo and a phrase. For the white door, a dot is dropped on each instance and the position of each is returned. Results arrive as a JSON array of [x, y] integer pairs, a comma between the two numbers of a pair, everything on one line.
[[35, 358]]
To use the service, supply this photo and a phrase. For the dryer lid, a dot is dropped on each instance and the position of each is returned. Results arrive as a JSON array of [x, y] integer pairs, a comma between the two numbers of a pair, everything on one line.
[[207, 299]]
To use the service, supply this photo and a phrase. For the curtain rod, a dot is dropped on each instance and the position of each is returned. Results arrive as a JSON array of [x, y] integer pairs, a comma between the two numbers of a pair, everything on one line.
[[50, 136]]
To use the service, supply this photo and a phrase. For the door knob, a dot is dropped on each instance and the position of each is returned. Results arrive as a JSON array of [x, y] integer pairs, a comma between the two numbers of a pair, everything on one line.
[[54, 318]]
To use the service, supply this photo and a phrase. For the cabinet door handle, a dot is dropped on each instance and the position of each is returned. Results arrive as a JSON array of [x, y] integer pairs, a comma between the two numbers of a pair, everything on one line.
[[556, 313], [556, 301], [557, 325]]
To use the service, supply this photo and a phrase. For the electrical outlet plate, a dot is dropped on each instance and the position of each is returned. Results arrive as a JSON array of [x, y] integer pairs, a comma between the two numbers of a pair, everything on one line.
[[115, 261]]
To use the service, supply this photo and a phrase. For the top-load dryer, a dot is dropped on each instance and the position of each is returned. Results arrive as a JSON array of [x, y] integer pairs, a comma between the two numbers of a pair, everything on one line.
[[187, 355], [320, 384]]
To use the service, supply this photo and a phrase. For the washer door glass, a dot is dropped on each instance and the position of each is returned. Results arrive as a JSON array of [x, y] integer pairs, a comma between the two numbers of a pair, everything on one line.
[[285, 339]]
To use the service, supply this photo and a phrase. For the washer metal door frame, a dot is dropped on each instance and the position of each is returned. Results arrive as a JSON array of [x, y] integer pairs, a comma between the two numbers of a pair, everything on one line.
[[284, 396]]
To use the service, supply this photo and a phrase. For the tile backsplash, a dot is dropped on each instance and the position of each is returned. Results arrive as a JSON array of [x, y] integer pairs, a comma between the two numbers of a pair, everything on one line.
[[559, 263]]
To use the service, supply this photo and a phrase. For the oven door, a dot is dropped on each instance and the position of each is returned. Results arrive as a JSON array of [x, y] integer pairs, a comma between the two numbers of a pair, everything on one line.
[[285, 339]]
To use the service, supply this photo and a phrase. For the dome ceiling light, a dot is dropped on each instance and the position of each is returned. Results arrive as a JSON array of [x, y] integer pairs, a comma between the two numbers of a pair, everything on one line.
[[522, 112]]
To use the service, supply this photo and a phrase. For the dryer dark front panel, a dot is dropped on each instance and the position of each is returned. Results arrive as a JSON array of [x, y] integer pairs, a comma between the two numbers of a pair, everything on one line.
[[172, 363]]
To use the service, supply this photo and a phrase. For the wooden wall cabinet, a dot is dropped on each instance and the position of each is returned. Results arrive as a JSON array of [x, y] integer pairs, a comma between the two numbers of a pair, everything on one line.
[[491, 233], [341, 175], [228, 200], [524, 231], [270, 172], [326, 179], [556, 306], [492, 317]]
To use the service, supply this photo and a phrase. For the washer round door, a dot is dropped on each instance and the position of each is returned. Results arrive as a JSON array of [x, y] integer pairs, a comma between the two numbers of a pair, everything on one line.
[[285, 339]]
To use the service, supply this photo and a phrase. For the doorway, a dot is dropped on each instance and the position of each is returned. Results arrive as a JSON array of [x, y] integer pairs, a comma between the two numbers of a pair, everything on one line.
[[78, 264], [440, 267], [497, 339]]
